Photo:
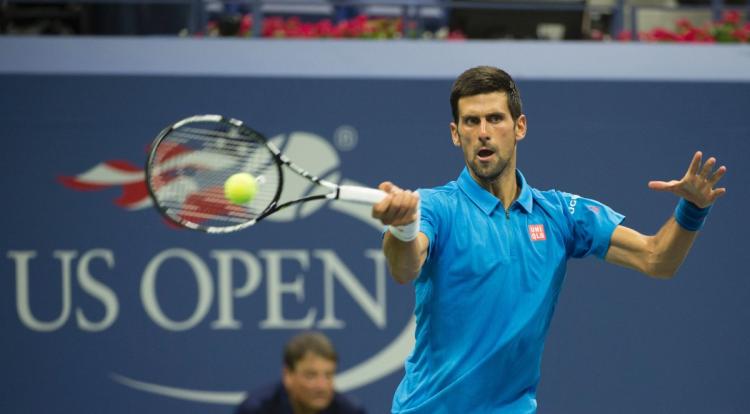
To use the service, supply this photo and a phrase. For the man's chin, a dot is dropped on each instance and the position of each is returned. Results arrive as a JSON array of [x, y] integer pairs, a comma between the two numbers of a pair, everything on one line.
[[488, 173], [320, 403]]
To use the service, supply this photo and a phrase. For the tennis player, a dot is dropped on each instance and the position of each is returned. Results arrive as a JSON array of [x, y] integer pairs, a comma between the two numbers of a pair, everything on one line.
[[487, 255]]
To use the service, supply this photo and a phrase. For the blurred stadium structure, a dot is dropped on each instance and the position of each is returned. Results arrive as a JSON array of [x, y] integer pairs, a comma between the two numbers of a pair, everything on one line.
[[478, 19]]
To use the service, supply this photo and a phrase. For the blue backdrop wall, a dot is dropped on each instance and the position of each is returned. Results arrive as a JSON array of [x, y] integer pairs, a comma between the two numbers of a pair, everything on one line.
[[105, 308]]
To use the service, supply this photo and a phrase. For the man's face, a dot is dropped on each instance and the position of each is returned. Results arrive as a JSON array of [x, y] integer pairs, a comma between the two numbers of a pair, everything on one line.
[[487, 134], [310, 383]]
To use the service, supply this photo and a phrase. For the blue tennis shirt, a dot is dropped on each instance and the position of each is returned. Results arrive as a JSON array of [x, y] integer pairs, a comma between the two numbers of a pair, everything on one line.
[[487, 292]]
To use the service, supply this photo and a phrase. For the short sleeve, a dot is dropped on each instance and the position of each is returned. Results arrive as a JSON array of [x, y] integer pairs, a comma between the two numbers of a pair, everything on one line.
[[428, 213], [591, 225]]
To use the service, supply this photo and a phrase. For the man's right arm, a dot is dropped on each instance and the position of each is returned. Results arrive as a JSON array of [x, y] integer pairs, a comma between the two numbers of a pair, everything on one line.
[[405, 259], [401, 208]]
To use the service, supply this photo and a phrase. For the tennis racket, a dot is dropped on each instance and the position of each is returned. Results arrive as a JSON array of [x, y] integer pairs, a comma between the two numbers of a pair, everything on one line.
[[190, 161]]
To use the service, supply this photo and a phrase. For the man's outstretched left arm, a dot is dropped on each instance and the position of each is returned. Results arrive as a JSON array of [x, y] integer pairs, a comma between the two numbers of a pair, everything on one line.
[[660, 255]]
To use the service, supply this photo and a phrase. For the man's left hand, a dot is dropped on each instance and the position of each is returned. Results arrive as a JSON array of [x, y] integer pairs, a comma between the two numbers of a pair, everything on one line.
[[697, 186]]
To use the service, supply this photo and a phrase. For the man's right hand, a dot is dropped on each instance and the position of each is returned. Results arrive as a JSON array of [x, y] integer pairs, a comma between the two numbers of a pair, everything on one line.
[[401, 208], [398, 208]]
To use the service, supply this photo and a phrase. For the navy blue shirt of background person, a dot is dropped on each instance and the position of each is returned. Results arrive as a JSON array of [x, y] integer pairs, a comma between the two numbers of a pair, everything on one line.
[[273, 399]]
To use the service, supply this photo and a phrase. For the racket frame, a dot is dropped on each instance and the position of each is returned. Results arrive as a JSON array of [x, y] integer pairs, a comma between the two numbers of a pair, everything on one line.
[[349, 193]]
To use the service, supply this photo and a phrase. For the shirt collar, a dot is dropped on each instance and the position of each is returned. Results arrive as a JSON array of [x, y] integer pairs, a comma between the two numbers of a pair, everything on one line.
[[488, 202]]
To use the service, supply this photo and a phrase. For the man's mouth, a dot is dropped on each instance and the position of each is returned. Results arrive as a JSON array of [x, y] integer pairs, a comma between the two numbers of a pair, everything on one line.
[[485, 154]]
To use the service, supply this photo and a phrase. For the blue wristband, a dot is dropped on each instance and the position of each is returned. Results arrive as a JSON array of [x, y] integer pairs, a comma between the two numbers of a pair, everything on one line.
[[690, 216]]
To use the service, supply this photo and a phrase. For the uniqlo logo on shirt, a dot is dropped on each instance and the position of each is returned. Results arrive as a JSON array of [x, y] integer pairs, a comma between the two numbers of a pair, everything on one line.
[[536, 232]]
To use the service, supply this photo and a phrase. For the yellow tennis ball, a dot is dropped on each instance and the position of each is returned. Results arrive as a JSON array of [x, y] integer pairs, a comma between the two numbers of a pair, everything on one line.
[[240, 188]]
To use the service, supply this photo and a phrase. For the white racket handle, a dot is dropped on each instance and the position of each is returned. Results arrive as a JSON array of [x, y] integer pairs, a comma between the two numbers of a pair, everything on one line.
[[362, 195]]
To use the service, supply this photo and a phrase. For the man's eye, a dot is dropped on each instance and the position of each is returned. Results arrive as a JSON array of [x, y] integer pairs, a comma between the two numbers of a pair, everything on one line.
[[495, 118]]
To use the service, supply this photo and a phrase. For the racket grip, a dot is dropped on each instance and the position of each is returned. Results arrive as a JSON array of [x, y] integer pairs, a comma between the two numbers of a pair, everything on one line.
[[362, 195]]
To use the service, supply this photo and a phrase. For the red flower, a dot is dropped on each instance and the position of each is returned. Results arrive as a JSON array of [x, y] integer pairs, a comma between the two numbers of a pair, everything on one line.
[[732, 17], [325, 28], [689, 36], [703, 36], [246, 23], [272, 27], [456, 35], [742, 35], [662, 34], [625, 36], [684, 24]]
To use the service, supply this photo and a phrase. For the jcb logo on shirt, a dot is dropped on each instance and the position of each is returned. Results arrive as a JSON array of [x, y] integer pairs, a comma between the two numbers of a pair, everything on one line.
[[536, 232]]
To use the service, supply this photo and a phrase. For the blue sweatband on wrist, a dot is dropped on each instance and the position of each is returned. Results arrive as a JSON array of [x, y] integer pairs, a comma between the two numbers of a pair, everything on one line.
[[690, 216]]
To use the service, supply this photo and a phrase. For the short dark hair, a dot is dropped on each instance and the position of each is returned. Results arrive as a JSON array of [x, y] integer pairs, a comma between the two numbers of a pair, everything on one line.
[[314, 342], [486, 79]]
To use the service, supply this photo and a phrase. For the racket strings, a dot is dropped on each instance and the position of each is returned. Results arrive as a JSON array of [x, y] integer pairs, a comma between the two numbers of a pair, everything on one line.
[[220, 143], [191, 165], [228, 144]]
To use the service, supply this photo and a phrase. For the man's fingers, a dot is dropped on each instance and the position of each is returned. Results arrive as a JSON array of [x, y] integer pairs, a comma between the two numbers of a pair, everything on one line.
[[397, 208], [717, 175], [695, 163], [717, 193], [379, 209], [697, 184], [385, 186], [661, 185], [384, 209], [404, 207], [708, 167], [389, 187]]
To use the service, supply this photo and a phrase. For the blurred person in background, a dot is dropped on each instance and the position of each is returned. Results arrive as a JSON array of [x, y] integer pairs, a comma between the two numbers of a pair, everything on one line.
[[306, 387]]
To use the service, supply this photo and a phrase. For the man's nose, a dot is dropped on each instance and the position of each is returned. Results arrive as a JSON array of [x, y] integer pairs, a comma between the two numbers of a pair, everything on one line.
[[322, 382], [483, 127], [484, 135]]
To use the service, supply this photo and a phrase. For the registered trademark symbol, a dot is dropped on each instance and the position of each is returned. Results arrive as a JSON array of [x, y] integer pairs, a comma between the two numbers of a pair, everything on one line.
[[345, 137]]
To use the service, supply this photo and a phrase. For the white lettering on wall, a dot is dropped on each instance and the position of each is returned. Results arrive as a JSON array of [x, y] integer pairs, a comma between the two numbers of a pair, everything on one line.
[[203, 280]]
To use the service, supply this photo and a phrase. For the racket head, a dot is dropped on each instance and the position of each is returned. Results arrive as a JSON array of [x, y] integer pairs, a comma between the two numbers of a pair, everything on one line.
[[190, 161]]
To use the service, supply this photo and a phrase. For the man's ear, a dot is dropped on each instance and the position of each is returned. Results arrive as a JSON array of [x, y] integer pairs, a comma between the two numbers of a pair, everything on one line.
[[286, 376], [455, 137], [521, 127]]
